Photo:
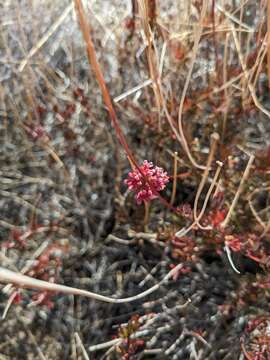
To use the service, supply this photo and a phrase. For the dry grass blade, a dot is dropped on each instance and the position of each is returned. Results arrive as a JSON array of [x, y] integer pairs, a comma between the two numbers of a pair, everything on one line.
[[11, 277], [250, 86], [45, 37], [239, 191], [197, 37], [212, 151]]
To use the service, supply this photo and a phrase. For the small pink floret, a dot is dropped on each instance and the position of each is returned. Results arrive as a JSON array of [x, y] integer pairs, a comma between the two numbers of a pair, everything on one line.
[[148, 190]]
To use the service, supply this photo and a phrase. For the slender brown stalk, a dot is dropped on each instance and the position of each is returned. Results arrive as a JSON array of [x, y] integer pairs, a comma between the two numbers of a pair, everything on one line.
[[197, 37], [92, 58], [268, 42], [86, 31], [239, 191], [213, 146], [174, 178], [146, 215], [196, 222], [214, 32], [147, 11]]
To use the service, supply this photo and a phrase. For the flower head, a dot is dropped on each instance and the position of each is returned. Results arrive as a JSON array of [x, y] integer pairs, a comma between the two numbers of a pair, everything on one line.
[[147, 181]]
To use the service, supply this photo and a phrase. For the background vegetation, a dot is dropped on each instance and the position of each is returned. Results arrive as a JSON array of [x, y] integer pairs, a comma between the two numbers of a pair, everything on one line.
[[88, 91]]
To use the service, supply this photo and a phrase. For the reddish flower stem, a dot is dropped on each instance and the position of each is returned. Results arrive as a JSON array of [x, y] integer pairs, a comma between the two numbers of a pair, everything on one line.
[[86, 31]]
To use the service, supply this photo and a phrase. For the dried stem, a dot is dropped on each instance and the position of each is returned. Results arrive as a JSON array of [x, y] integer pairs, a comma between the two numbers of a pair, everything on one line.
[[213, 147], [87, 31], [23, 281], [174, 178], [268, 42], [197, 37], [146, 214], [245, 70], [151, 58], [184, 231], [239, 191]]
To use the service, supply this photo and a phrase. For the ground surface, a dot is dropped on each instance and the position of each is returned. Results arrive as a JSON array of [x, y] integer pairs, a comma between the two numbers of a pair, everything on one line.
[[66, 215]]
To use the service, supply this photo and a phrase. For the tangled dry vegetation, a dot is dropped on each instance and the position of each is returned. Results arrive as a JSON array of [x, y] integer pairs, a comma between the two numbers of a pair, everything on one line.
[[183, 84]]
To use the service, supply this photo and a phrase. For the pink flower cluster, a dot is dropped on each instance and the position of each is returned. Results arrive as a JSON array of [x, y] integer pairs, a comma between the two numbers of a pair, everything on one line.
[[147, 181]]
